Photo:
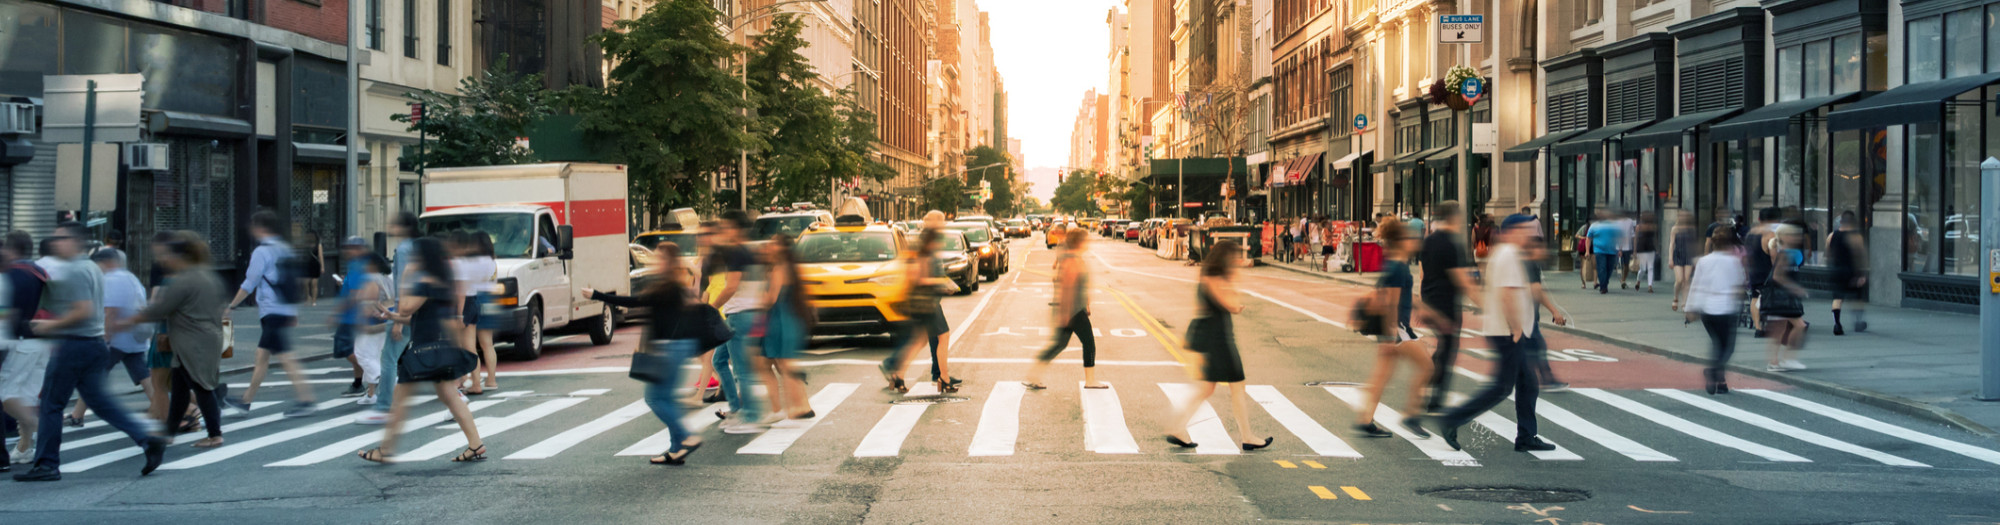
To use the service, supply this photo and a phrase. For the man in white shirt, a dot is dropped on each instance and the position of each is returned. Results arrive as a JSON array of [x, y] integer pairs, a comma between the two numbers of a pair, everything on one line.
[[1628, 230], [1715, 292], [123, 298], [1508, 311]]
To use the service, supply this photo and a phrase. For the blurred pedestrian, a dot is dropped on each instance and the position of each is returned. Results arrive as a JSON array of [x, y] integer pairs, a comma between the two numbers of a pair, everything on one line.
[[742, 302], [1683, 258], [926, 286], [1534, 251], [477, 275], [371, 333], [1607, 243], [1847, 256], [1447, 283], [707, 388], [1628, 237], [788, 322], [1391, 304], [28, 356], [123, 297], [1760, 244], [426, 306], [668, 301], [354, 254], [311, 257], [1071, 316], [1714, 297], [1645, 250], [75, 297], [403, 226], [1212, 342], [1783, 301], [275, 315], [190, 306], [1507, 307]]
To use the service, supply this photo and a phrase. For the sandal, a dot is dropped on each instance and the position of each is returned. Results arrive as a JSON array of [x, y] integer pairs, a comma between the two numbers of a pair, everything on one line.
[[189, 424], [1034, 386], [477, 453], [376, 455], [668, 458], [72, 421], [208, 442]]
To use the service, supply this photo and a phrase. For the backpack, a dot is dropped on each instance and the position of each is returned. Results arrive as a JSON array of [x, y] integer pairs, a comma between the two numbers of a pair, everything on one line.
[[289, 286]]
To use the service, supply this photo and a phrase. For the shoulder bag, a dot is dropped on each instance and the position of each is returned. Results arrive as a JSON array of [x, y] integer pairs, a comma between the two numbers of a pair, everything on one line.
[[437, 361], [1776, 301], [712, 330]]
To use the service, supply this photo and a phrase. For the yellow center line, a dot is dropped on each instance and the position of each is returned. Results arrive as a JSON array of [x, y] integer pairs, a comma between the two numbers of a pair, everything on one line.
[[1322, 492], [1356, 493], [1314, 464], [1167, 339], [1283, 463]]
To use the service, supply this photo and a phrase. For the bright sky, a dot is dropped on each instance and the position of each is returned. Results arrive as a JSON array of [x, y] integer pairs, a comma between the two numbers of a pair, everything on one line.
[[1049, 52]]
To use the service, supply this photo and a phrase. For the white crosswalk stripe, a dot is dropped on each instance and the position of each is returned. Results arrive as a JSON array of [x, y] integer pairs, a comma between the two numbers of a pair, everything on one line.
[[1310, 432], [569, 438], [452, 443], [1784, 429], [122, 453], [886, 439], [354, 444], [1104, 430], [1508, 430], [1605, 438], [658, 443], [1689, 427], [999, 421], [1859, 420], [1206, 429], [782, 435], [1433, 447]]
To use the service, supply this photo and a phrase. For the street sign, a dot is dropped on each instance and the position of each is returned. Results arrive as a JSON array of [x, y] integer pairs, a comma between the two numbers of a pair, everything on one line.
[[103, 179], [1460, 29], [1360, 122], [117, 101], [1472, 89]]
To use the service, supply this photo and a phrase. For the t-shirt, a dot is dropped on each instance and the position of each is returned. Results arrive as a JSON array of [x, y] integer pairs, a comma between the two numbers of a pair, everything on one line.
[[24, 295], [262, 276], [427, 323], [1416, 226], [475, 274], [72, 281], [1627, 228], [1605, 238], [1505, 271], [1396, 274], [1534, 271], [123, 291], [750, 290], [1440, 256]]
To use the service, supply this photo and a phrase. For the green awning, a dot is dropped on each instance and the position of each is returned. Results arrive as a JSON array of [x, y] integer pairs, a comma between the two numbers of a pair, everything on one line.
[[1198, 167]]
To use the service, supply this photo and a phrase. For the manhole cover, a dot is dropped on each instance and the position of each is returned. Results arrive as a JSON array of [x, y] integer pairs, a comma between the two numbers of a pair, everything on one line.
[[929, 400], [1332, 383], [1508, 494]]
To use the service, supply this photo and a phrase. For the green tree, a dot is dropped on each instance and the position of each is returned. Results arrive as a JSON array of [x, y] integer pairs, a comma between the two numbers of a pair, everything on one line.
[[1073, 196], [673, 113], [813, 138], [945, 194], [980, 165], [477, 125]]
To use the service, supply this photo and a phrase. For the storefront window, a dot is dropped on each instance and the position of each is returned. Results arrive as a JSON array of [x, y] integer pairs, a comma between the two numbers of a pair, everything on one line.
[[1993, 38], [1818, 73], [1926, 49], [1963, 46], [1961, 186], [1847, 64], [1845, 184], [1920, 212], [1812, 187]]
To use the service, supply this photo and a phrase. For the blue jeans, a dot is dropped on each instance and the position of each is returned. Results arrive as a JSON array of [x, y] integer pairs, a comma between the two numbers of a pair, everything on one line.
[[79, 366], [392, 352], [660, 396], [1606, 264], [1513, 375], [734, 369]]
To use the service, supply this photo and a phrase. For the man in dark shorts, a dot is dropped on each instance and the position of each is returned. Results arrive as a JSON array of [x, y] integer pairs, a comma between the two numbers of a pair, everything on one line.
[[274, 315], [1847, 256], [1447, 280]]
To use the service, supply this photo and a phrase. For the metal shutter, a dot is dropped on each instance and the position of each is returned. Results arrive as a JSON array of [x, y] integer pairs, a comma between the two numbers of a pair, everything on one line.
[[33, 201], [1712, 86]]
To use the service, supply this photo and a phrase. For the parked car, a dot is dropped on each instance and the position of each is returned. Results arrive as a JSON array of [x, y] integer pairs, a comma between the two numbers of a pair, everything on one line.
[[992, 251], [1131, 232]]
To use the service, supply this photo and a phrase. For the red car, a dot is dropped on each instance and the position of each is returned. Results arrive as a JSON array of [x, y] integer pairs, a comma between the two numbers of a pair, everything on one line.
[[1132, 230]]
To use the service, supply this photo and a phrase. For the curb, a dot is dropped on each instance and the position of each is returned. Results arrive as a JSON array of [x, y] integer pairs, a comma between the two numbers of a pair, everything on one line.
[[1880, 400]]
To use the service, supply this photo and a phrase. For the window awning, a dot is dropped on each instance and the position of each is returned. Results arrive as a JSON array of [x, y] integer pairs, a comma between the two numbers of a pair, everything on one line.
[[311, 153], [1348, 161], [1302, 168], [1441, 157], [1592, 141], [1667, 133], [1527, 151], [1411, 159], [1774, 119], [1907, 104]]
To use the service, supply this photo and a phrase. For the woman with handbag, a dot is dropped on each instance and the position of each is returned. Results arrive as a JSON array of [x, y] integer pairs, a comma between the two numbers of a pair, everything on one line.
[[670, 303], [1072, 315], [1389, 322], [434, 355], [787, 327], [1782, 301], [925, 274], [191, 304], [1212, 335]]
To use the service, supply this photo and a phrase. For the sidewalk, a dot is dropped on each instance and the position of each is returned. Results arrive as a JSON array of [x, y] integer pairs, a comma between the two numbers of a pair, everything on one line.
[[1917, 362]]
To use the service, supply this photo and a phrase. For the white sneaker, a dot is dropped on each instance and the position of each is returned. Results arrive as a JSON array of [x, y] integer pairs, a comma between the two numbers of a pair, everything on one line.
[[23, 457], [372, 417], [744, 428], [1792, 364], [1776, 368], [365, 400]]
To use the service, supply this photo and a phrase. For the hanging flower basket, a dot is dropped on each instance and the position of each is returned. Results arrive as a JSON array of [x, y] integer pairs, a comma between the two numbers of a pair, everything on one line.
[[1446, 91]]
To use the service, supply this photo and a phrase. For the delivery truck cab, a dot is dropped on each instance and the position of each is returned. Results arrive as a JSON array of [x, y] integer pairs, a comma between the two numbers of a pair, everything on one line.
[[557, 229]]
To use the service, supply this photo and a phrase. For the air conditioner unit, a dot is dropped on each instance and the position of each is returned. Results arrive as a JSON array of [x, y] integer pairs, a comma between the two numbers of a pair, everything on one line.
[[17, 118], [146, 156]]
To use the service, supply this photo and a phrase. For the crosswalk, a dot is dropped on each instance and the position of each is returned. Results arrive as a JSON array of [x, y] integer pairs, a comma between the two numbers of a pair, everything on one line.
[[1651, 426]]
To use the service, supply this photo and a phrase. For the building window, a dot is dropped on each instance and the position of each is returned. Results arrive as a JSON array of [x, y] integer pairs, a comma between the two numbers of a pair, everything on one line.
[[1926, 49], [1847, 70], [375, 25], [444, 33], [1342, 101], [410, 28], [1962, 44]]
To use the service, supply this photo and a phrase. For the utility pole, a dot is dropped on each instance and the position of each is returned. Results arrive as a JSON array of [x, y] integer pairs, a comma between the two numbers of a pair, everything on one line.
[[352, 194]]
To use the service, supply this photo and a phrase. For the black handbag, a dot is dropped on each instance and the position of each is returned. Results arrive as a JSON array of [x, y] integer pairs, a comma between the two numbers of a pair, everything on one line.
[[436, 361], [711, 332], [1776, 301]]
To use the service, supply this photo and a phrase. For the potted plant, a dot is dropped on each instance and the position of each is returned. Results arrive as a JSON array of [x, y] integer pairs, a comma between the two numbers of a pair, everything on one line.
[[1447, 90]]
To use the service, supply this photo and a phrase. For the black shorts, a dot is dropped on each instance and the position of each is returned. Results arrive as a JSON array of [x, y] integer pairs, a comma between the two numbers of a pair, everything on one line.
[[277, 336], [135, 365], [343, 341], [470, 313], [1326, 250]]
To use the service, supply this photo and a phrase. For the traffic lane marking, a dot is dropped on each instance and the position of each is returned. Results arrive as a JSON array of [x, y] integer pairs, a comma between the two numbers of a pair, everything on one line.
[[1322, 492]]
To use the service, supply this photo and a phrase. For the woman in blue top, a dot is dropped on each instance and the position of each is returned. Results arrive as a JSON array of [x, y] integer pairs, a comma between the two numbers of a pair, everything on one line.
[[1788, 329], [787, 328], [1398, 340]]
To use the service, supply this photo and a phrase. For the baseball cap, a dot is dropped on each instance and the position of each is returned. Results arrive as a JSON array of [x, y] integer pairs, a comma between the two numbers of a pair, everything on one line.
[[354, 242], [1515, 220]]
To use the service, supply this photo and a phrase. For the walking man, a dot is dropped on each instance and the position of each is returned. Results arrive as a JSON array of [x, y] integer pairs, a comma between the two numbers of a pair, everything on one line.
[[76, 294], [275, 315], [741, 302], [1446, 282], [123, 298], [1507, 314], [1605, 239]]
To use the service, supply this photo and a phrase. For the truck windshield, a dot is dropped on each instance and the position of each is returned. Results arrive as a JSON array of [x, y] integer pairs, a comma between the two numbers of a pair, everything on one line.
[[789, 226], [513, 233], [846, 247]]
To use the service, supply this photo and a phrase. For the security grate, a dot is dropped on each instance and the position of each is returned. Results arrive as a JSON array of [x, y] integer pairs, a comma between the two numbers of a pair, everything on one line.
[[196, 193], [317, 202], [1941, 290]]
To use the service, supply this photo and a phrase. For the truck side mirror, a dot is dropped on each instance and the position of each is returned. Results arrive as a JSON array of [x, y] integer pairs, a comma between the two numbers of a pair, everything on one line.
[[565, 242]]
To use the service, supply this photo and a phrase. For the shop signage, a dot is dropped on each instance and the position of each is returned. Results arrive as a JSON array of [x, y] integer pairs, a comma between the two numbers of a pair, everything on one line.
[[1460, 29], [1687, 162]]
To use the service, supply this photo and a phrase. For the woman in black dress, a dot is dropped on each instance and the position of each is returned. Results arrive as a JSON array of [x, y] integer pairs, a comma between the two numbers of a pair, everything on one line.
[[429, 306], [1683, 252], [1212, 337]]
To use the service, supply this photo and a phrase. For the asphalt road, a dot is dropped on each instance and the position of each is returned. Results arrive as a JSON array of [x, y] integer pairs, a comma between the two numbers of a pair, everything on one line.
[[1640, 441]]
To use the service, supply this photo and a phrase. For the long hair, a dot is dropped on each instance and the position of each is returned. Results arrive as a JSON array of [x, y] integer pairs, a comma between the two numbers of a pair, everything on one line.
[[1216, 264], [669, 281], [925, 243], [786, 261], [189, 247], [484, 243], [432, 257]]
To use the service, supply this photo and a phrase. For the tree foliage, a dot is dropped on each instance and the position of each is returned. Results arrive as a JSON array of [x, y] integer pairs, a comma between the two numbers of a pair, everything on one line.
[[945, 194], [477, 125], [979, 164], [813, 139], [673, 113], [1073, 196]]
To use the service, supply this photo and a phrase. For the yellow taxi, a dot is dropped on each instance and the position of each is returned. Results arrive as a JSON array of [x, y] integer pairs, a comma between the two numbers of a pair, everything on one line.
[[853, 270]]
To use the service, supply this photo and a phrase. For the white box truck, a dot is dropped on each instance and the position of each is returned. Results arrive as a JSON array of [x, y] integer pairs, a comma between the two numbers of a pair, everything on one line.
[[557, 229]]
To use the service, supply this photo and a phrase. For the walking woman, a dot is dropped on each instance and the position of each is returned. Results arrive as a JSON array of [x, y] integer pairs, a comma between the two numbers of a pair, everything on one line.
[[1714, 296], [1683, 256], [1397, 341], [191, 306], [314, 256], [1647, 249], [926, 324], [477, 273], [1072, 315], [667, 300], [1586, 260], [371, 298], [787, 327], [28, 358], [1782, 301], [426, 306], [1212, 335]]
